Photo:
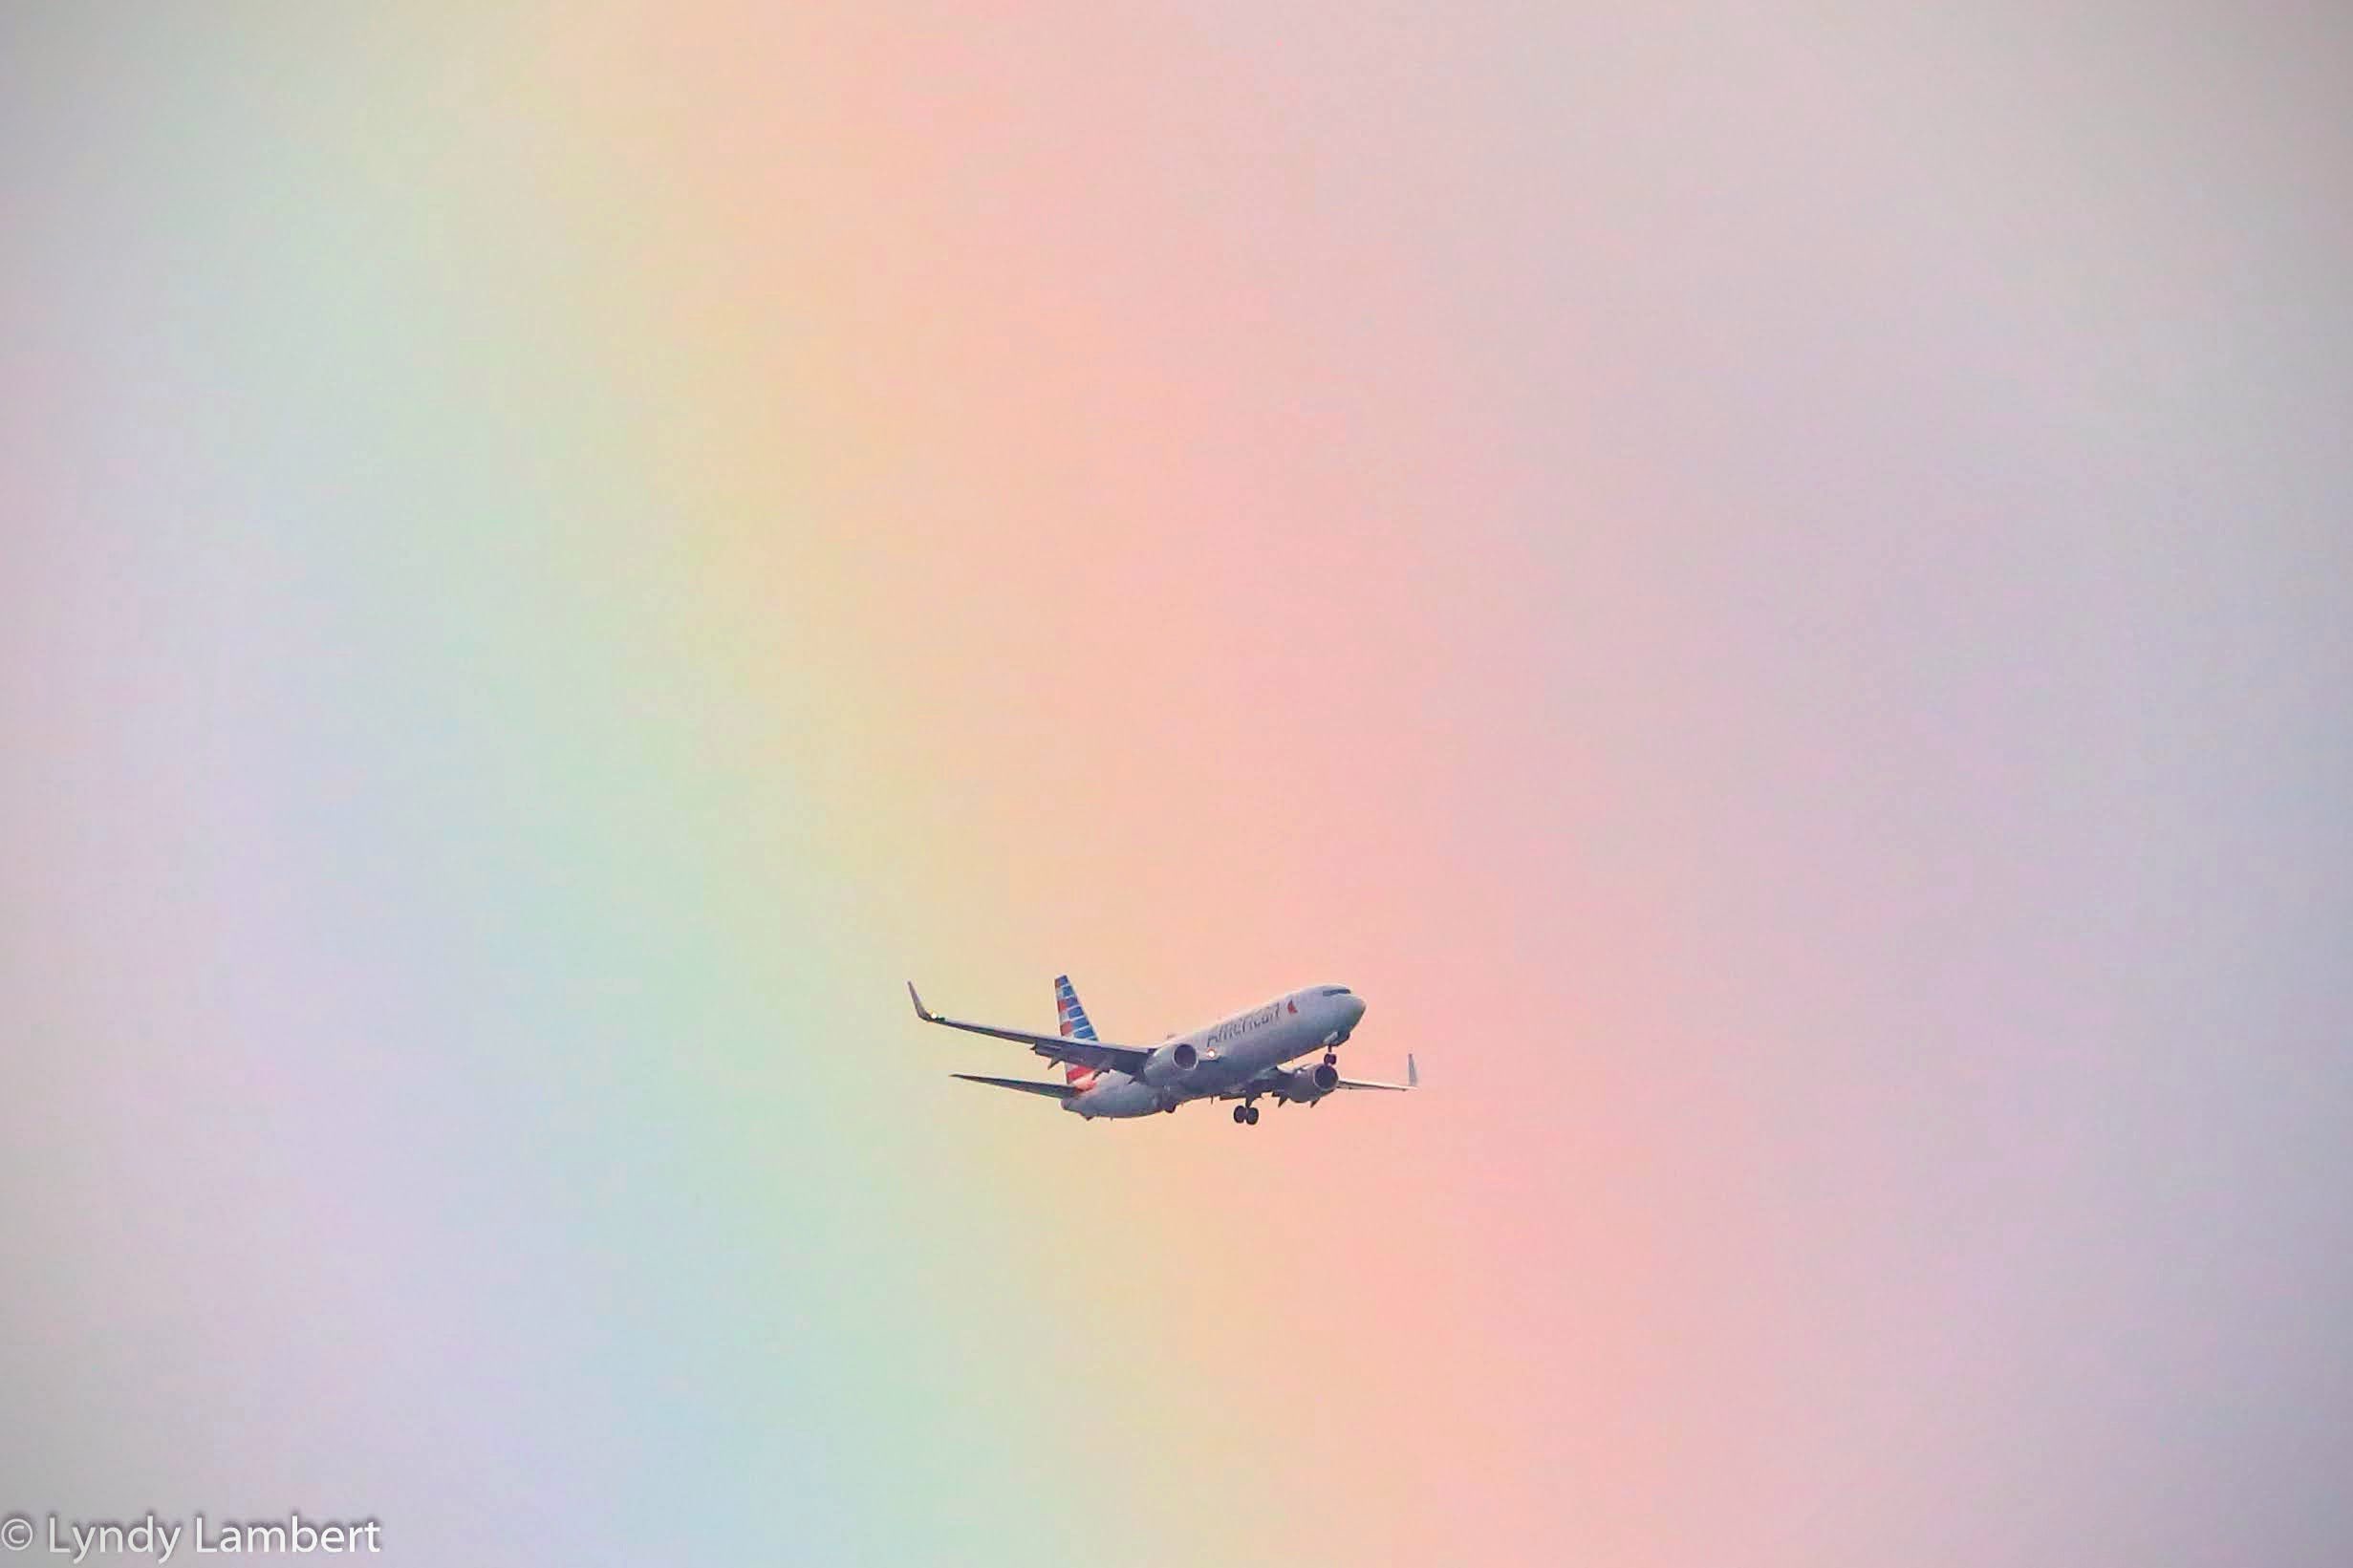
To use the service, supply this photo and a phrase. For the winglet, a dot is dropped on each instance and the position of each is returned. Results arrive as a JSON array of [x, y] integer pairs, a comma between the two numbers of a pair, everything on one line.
[[920, 1011], [1412, 1074]]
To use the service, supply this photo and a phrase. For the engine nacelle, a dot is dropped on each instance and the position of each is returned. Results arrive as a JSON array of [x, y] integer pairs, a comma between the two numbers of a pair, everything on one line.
[[1172, 1062], [1303, 1086]]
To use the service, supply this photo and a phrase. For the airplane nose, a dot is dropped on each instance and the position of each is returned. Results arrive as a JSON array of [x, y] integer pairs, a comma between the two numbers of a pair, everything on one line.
[[1356, 1010]]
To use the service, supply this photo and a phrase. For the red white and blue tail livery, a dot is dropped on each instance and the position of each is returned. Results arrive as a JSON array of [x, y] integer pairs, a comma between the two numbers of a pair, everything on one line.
[[1243, 1057], [1074, 1023]]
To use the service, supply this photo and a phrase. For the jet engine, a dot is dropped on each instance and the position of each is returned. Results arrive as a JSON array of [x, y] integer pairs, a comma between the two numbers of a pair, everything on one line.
[[1170, 1063], [1304, 1086]]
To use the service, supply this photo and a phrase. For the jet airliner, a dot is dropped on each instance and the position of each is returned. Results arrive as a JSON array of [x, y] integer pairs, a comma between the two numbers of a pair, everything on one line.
[[1243, 1057]]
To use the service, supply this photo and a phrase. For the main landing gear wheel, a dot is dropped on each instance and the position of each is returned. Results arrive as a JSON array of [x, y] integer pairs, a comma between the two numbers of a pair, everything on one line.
[[1241, 1114], [1252, 1118]]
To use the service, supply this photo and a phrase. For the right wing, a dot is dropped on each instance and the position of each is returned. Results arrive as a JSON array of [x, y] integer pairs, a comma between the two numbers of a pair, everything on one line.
[[1056, 1091], [1413, 1078], [1084, 1053], [1266, 1083]]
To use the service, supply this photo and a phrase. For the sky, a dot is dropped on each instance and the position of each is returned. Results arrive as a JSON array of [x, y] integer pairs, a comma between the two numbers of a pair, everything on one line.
[[1769, 584]]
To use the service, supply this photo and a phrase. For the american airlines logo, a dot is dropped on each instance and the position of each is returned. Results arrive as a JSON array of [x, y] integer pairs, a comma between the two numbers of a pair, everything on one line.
[[1247, 1023]]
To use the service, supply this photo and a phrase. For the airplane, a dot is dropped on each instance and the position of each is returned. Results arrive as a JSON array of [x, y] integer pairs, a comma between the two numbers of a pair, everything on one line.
[[1240, 1058]]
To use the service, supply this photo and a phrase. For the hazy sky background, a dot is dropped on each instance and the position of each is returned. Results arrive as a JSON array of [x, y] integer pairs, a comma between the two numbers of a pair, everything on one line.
[[1771, 585]]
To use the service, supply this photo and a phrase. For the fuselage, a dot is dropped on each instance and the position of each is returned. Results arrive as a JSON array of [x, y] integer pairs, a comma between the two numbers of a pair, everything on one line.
[[1228, 1053]]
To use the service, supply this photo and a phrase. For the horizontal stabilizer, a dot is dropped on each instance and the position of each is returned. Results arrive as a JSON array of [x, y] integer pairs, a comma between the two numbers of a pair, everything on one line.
[[1052, 1091]]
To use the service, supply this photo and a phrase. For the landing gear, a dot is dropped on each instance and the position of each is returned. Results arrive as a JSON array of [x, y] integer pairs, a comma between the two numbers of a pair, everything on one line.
[[1245, 1115], [1332, 1059]]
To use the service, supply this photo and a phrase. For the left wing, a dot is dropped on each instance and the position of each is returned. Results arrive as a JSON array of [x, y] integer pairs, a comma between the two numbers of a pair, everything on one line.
[[1085, 1053]]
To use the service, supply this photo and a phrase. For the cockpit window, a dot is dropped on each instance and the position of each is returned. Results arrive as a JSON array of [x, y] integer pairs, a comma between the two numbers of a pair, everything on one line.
[[1337, 991]]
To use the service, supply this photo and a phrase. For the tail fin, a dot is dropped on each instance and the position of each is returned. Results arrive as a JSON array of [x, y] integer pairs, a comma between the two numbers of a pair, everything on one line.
[[1073, 1022]]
